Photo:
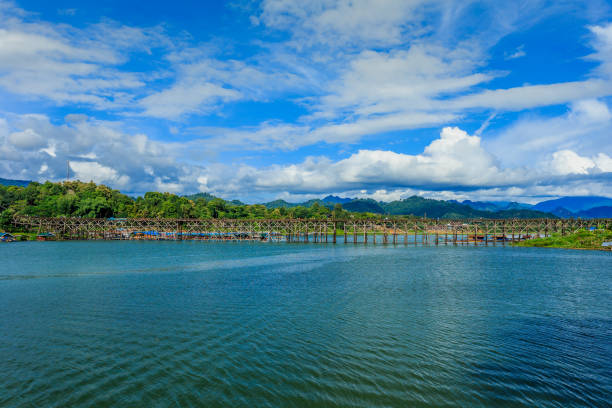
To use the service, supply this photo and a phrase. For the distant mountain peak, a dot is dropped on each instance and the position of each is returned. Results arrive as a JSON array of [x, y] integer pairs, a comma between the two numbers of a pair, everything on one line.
[[574, 204], [335, 199], [10, 182]]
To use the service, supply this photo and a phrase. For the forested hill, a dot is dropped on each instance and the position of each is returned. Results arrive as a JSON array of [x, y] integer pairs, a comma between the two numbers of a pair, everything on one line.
[[419, 206], [78, 199], [446, 209]]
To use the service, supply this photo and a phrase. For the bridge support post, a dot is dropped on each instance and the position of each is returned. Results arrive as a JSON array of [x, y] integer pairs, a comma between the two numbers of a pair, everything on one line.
[[335, 230]]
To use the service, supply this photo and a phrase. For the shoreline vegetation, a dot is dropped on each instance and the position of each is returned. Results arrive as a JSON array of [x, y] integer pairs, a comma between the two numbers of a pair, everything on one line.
[[90, 200], [581, 239]]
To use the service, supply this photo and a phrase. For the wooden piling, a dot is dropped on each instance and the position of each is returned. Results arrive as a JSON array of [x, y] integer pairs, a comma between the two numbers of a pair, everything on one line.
[[335, 231]]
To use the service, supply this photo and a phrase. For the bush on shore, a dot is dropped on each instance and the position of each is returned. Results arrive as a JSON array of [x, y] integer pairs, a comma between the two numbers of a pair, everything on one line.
[[581, 239]]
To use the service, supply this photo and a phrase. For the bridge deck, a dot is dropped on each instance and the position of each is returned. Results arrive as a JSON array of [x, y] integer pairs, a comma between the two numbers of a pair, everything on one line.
[[370, 230]]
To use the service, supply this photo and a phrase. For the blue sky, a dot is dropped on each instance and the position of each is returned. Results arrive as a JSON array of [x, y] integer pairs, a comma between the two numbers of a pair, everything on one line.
[[268, 99]]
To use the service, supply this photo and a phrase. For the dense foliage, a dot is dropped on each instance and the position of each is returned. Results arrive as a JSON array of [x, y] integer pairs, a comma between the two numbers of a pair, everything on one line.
[[78, 199], [580, 240]]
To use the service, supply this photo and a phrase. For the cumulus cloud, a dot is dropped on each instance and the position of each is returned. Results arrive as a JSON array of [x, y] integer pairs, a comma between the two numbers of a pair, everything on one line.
[[27, 140], [96, 150], [566, 162], [98, 173], [456, 161]]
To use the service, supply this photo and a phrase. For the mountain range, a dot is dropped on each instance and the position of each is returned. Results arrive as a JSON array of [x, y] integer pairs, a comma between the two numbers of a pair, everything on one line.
[[415, 205], [564, 207], [9, 182]]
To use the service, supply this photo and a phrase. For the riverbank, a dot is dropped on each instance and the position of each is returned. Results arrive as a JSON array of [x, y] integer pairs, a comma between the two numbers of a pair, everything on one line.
[[582, 239]]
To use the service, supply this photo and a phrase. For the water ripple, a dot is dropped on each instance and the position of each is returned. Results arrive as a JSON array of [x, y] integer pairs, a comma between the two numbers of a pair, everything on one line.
[[166, 324]]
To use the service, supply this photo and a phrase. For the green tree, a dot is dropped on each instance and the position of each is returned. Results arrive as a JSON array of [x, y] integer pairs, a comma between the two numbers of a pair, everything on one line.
[[96, 207], [338, 212], [216, 207]]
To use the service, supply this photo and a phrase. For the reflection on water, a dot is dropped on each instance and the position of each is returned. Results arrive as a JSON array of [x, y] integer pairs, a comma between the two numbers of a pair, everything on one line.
[[275, 324]]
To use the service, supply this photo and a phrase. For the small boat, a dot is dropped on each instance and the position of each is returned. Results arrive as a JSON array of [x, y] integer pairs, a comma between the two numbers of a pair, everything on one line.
[[6, 237], [47, 236]]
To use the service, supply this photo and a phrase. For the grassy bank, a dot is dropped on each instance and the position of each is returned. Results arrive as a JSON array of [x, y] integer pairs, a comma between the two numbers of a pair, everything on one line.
[[580, 240]]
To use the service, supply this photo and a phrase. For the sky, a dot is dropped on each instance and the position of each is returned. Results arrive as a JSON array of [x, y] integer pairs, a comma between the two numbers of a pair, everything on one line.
[[259, 100]]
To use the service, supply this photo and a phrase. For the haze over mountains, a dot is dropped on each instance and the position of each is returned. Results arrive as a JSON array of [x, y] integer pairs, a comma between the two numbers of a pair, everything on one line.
[[564, 207], [585, 207]]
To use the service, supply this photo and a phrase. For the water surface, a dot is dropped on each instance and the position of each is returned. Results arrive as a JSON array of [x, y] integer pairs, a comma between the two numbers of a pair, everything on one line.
[[158, 324]]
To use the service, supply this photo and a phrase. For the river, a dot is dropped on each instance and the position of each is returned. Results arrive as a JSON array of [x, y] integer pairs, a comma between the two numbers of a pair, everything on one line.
[[169, 324]]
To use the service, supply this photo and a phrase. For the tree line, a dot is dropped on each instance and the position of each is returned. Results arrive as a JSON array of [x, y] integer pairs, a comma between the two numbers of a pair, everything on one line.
[[79, 199]]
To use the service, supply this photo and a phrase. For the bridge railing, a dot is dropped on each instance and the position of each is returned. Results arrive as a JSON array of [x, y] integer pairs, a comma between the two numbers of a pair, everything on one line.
[[385, 230]]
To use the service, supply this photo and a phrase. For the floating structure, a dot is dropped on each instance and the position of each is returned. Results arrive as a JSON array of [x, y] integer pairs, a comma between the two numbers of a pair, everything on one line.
[[45, 236], [6, 237], [415, 230]]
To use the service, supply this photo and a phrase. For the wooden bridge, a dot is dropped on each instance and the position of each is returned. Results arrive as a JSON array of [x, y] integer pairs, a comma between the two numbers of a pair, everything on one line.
[[372, 230]]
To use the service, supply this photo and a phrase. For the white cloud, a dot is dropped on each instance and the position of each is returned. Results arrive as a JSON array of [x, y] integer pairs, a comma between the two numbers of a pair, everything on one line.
[[603, 48], [456, 161], [519, 52], [591, 111], [531, 96], [586, 127], [356, 69], [204, 84], [94, 171], [186, 98], [568, 162], [603, 162], [405, 80], [384, 23], [27, 140], [67, 65], [98, 151], [371, 22], [271, 136]]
